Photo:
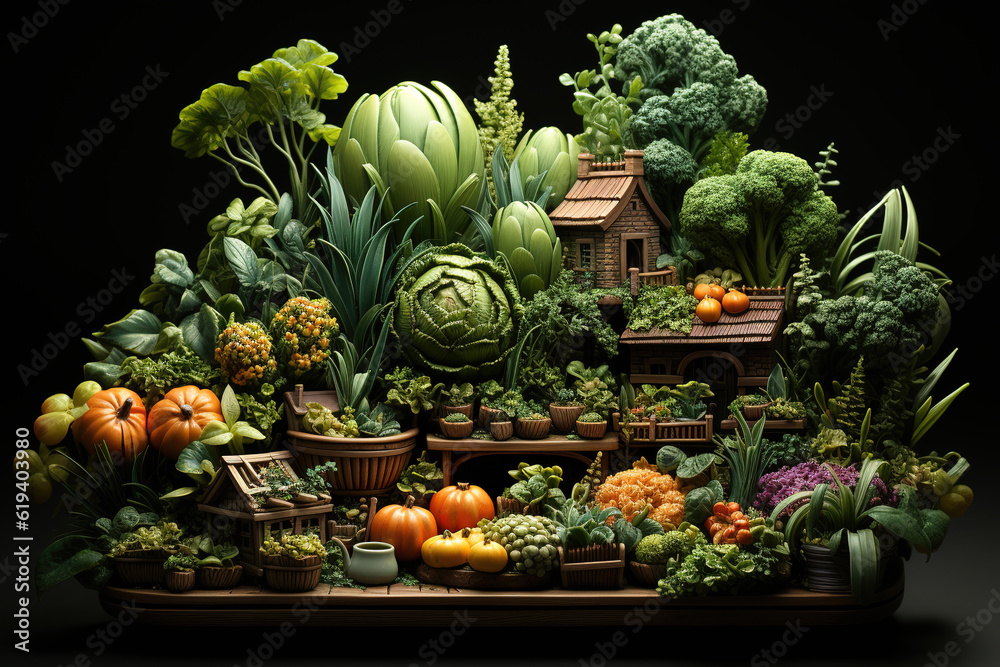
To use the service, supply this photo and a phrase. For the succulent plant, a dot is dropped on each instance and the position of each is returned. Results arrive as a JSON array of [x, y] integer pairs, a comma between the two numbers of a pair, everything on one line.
[[551, 152], [523, 233]]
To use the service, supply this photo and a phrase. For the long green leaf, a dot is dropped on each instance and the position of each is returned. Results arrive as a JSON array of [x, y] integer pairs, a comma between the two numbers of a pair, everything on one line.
[[932, 379], [911, 240], [864, 559], [844, 250], [920, 430], [816, 503]]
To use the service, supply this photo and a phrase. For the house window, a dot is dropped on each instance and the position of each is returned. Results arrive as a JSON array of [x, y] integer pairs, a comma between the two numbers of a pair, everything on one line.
[[585, 254]]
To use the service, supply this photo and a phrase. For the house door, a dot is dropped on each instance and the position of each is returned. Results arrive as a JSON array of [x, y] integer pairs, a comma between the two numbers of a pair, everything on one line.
[[720, 374], [634, 253]]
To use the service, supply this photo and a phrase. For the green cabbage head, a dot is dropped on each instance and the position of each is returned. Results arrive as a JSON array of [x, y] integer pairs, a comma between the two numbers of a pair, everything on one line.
[[456, 314]]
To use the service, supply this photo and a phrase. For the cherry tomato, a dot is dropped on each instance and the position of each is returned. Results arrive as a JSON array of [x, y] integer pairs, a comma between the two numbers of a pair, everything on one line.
[[722, 509], [741, 524], [733, 507], [744, 537]]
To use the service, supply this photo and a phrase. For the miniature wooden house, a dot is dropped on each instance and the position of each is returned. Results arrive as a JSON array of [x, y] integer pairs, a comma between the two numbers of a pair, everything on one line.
[[240, 493], [608, 220], [732, 355]]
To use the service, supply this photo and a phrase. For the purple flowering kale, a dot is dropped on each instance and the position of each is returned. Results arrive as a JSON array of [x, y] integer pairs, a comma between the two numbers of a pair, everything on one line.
[[789, 480]]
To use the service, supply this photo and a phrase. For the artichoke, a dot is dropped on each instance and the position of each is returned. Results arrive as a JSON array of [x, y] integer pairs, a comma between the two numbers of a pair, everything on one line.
[[552, 152], [523, 233], [416, 146], [456, 314]]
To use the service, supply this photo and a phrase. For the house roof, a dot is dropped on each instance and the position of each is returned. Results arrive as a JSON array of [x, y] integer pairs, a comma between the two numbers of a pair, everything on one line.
[[760, 323], [602, 191], [242, 473]]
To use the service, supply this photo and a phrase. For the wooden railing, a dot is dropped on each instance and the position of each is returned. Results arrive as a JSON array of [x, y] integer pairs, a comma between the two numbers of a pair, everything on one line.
[[666, 277]]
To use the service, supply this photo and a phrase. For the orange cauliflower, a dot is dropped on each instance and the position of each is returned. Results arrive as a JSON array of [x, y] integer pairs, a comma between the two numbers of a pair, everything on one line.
[[631, 490]]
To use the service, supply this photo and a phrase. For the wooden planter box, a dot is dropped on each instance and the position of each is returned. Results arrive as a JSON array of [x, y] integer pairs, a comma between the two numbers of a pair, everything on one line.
[[653, 432], [596, 566]]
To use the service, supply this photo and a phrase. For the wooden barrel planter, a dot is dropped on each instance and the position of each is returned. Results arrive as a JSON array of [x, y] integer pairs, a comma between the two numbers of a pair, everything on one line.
[[755, 412], [365, 466], [591, 430], [502, 430], [595, 566], [533, 429], [292, 575]]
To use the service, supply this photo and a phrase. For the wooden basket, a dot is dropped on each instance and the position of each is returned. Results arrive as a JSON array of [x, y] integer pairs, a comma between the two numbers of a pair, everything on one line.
[[596, 566], [502, 430], [755, 412], [142, 568], [647, 574], [456, 430], [591, 430], [365, 466], [564, 416], [288, 575], [214, 577], [179, 581], [506, 506], [533, 429]]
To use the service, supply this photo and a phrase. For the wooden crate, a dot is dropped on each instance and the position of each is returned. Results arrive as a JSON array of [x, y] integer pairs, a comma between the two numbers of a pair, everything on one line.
[[595, 566]]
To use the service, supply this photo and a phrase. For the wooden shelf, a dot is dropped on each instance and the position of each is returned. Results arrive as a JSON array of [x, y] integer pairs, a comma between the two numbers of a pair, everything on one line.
[[560, 445], [430, 605]]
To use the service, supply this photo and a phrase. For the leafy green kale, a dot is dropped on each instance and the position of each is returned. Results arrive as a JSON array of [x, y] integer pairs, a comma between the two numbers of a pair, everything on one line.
[[155, 376]]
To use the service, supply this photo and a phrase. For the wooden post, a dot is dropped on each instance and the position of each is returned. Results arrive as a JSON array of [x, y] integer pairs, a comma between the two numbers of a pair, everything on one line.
[[633, 280]]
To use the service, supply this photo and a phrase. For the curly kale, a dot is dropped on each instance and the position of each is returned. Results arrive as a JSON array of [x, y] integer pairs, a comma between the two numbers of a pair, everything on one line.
[[154, 377], [714, 569], [762, 218]]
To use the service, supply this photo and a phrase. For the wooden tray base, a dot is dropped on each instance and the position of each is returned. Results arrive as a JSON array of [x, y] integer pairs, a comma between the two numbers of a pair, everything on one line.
[[430, 605]]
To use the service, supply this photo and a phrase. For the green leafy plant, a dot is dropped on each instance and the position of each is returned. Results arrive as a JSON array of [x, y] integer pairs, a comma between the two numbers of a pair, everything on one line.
[[458, 394], [457, 418], [748, 455], [296, 546], [848, 517], [421, 478], [667, 307], [233, 433], [407, 389], [499, 120], [282, 93]]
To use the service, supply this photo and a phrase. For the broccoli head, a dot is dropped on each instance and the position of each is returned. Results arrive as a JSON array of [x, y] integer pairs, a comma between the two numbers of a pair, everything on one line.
[[762, 218], [661, 547], [669, 170]]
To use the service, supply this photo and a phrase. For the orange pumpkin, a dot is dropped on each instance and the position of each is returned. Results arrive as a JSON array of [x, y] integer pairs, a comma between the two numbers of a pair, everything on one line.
[[405, 527], [178, 418], [116, 417], [461, 506], [716, 291], [735, 302], [709, 310], [701, 291]]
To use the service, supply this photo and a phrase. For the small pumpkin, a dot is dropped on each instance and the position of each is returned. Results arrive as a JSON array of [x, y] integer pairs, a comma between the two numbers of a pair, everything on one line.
[[461, 506], [445, 550], [735, 302], [709, 310], [487, 556], [179, 417], [473, 535], [116, 417], [406, 527]]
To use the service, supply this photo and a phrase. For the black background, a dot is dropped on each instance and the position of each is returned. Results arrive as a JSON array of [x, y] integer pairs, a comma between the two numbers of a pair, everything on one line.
[[896, 77]]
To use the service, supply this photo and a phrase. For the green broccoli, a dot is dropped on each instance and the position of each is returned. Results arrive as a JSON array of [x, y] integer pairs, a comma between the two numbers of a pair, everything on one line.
[[762, 218], [884, 324], [690, 94]]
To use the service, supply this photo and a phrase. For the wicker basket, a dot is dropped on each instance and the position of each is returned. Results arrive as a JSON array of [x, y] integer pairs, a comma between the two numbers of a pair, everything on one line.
[[564, 416], [291, 575], [533, 429], [365, 466], [214, 577], [647, 574], [596, 566], [142, 568], [177, 581]]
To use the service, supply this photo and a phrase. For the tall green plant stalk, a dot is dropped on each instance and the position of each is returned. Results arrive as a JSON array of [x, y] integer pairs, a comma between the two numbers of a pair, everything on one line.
[[748, 457]]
